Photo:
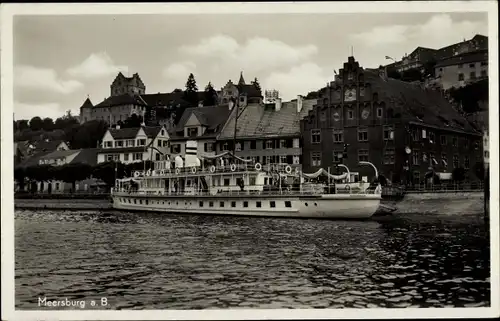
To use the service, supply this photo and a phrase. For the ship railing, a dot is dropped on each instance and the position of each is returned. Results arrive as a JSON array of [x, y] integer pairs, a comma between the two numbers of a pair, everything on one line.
[[263, 190], [213, 169]]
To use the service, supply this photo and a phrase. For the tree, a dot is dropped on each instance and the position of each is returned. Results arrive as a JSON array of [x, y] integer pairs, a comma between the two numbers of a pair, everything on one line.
[[191, 92], [133, 121], [72, 173], [210, 98], [36, 123], [48, 124], [256, 84]]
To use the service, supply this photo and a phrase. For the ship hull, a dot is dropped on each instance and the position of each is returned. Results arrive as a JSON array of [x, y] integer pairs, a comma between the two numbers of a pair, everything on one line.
[[332, 206]]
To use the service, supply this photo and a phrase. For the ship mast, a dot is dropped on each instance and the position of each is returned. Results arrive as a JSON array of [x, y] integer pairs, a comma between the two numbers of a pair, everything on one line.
[[236, 116]]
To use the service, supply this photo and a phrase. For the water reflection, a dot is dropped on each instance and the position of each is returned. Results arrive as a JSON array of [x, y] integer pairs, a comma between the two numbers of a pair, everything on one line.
[[155, 261]]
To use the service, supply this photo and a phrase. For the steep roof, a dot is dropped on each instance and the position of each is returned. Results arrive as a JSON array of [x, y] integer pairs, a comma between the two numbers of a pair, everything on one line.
[[130, 133], [212, 117], [87, 156], [124, 99], [249, 90], [465, 58], [49, 146], [87, 104], [59, 153], [259, 121], [425, 106]]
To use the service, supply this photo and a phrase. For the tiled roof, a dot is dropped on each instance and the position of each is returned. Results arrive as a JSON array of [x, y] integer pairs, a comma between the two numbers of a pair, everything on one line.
[[59, 154], [212, 117], [465, 58], [412, 102], [130, 133], [50, 146], [259, 121], [87, 104], [34, 160], [87, 156], [121, 150], [124, 133], [124, 99]]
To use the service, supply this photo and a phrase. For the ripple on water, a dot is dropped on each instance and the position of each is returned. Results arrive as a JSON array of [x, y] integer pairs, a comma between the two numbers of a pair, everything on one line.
[[143, 261]]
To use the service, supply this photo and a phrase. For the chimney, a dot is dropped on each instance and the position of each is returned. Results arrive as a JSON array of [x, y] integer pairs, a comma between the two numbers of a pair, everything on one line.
[[278, 104], [299, 103]]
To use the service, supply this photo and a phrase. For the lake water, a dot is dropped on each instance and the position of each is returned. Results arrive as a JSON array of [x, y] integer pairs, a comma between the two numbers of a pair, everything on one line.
[[155, 261]]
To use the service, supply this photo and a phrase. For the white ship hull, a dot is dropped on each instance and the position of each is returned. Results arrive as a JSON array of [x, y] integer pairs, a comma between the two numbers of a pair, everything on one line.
[[330, 206]]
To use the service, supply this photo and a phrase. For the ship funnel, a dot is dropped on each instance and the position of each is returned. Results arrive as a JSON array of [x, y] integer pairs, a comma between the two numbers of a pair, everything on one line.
[[192, 159]]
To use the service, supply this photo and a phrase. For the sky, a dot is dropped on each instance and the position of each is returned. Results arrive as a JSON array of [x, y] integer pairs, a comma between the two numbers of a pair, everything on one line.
[[59, 61]]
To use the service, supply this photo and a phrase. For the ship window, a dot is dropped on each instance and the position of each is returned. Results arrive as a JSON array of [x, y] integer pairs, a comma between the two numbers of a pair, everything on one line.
[[221, 204], [140, 201], [272, 203], [306, 204], [288, 204], [201, 203], [147, 202], [226, 181], [233, 204], [135, 201], [259, 204], [245, 204], [211, 204]]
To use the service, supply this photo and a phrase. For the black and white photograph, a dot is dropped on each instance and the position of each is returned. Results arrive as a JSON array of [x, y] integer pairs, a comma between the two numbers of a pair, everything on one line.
[[249, 160]]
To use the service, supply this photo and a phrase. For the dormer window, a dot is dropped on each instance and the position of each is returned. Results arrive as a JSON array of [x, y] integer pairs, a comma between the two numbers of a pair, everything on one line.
[[192, 132]]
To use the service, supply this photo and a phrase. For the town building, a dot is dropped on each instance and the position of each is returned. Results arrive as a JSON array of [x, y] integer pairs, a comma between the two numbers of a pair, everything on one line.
[[242, 92], [130, 145], [404, 129], [201, 124], [268, 133], [462, 69], [423, 58], [61, 158]]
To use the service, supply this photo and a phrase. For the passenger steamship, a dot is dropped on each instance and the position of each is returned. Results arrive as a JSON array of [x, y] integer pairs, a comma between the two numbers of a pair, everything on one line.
[[225, 184]]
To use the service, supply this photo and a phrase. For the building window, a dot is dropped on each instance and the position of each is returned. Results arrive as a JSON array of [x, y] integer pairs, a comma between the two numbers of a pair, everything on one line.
[[432, 159], [141, 142], [158, 157], [272, 204], [108, 144], [283, 143], [415, 134], [233, 204], [221, 204], [432, 137], [159, 143], [460, 77], [288, 204], [315, 136], [484, 73], [130, 143], [245, 204], [363, 134], [455, 161], [226, 181], [125, 157], [269, 144], [454, 141], [350, 114], [338, 136], [211, 204], [175, 148], [119, 143], [389, 156], [466, 162], [192, 132], [416, 157], [472, 65], [283, 160], [388, 133], [379, 112], [472, 75], [444, 160], [363, 155], [258, 204], [316, 159], [416, 177], [201, 203], [476, 145], [116, 157], [337, 156], [484, 63], [225, 146], [253, 144], [137, 156], [109, 158], [443, 139]]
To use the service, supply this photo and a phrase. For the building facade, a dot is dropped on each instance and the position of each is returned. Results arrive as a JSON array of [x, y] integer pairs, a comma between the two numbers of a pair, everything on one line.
[[405, 130], [130, 145], [267, 133], [201, 124], [463, 69]]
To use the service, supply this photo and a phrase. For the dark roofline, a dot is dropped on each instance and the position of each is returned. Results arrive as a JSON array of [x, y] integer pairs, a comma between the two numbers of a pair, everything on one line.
[[422, 124]]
